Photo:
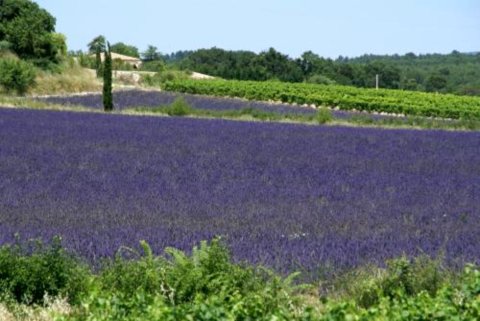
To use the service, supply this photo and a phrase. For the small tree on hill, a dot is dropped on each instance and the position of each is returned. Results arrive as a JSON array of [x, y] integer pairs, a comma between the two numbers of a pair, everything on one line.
[[151, 54], [107, 80]]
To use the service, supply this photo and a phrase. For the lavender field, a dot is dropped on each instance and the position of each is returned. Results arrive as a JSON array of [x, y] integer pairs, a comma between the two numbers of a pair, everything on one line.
[[293, 197], [135, 98], [140, 98]]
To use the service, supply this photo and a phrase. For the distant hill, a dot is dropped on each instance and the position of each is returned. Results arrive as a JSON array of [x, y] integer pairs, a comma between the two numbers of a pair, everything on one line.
[[457, 73], [452, 73]]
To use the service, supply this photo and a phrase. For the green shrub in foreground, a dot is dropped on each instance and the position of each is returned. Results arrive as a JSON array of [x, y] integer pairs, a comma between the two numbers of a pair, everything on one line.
[[29, 272], [206, 285], [402, 278], [16, 75]]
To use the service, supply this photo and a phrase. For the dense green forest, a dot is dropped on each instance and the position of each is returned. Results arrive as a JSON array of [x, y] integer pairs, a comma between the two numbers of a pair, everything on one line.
[[456, 72], [28, 31]]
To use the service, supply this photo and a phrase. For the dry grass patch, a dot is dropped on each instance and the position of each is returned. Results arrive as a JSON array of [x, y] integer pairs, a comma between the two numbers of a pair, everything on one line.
[[72, 80]]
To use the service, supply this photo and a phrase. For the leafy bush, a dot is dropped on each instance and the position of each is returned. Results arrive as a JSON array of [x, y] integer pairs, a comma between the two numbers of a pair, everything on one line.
[[177, 276], [163, 76], [206, 285], [16, 75], [179, 107], [402, 278], [324, 115], [153, 66], [30, 271], [321, 80]]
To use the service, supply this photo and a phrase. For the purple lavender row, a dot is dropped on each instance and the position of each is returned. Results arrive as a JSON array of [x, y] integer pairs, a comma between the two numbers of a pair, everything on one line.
[[141, 98], [293, 197]]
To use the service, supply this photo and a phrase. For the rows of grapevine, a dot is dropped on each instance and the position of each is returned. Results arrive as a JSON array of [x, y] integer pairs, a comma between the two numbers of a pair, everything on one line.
[[343, 97]]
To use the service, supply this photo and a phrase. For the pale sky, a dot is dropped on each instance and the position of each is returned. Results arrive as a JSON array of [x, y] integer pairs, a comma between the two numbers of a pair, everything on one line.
[[328, 28]]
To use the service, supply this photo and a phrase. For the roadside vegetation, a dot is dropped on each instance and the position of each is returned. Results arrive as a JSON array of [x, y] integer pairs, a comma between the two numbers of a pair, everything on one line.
[[45, 282]]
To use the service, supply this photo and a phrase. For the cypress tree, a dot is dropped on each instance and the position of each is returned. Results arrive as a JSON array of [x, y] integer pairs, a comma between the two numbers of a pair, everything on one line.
[[98, 62], [107, 80]]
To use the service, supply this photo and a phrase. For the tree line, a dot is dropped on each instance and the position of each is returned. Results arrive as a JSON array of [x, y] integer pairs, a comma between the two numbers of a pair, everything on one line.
[[450, 73], [447, 73], [28, 32]]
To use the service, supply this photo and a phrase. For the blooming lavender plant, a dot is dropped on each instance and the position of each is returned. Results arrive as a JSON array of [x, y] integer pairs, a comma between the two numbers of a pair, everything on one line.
[[289, 196], [141, 98]]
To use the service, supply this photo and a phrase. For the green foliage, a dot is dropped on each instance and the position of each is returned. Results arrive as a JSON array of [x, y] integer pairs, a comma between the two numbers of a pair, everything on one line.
[[402, 278], [436, 83], [158, 79], [154, 66], [98, 44], [85, 60], [460, 72], [320, 80], [178, 108], [16, 75], [389, 75], [60, 42], [243, 65], [124, 49], [29, 31], [107, 81], [450, 302], [5, 47], [206, 285], [151, 54], [29, 272], [324, 115]]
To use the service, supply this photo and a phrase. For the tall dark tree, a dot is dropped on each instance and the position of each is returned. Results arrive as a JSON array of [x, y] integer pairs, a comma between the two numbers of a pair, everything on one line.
[[107, 80], [280, 66]]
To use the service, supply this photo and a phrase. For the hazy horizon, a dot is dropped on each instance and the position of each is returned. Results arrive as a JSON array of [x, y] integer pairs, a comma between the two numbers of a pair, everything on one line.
[[345, 28]]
